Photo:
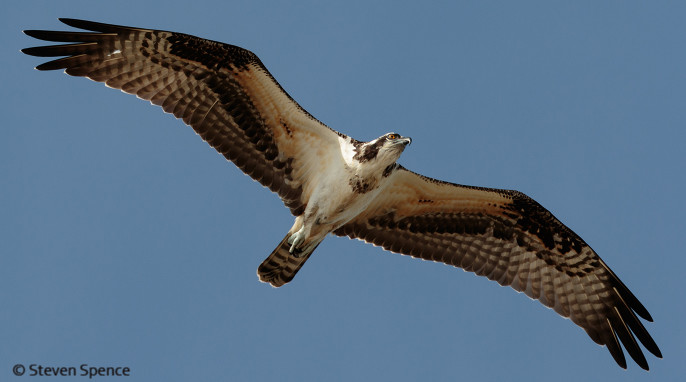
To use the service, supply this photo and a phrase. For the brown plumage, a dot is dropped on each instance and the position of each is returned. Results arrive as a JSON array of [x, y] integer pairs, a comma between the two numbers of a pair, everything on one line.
[[229, 98]]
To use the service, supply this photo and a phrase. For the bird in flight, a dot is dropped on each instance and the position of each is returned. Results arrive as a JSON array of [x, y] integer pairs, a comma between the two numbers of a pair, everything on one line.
[[334, 184]]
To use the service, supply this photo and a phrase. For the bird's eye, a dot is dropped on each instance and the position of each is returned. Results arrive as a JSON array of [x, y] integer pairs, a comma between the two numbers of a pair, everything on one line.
[[393, 136]]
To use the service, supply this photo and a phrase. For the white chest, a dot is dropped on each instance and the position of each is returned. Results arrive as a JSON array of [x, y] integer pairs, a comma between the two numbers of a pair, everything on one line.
[[343, 191]]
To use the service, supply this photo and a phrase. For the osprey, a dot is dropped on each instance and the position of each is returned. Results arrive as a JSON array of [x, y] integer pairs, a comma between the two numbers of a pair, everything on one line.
[[335, 184]]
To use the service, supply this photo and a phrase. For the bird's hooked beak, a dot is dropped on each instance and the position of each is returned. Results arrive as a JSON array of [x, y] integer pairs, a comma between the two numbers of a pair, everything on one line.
[[405, 141]]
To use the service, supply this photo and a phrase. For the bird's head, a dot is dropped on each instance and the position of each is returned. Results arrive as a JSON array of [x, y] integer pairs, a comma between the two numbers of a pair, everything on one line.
[[384, 150]]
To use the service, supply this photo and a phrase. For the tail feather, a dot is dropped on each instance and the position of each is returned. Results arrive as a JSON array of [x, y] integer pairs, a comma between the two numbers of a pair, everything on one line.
[[281, 266]]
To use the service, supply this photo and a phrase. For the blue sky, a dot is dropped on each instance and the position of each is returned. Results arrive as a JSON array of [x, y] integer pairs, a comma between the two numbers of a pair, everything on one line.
[[127, 241]]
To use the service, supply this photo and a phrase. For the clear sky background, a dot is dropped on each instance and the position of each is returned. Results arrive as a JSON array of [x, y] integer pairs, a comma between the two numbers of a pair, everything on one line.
[[127, 241]]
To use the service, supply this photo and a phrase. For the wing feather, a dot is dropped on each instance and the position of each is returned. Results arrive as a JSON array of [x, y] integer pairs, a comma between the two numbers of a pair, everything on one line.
[[224, 92], [507, 237]]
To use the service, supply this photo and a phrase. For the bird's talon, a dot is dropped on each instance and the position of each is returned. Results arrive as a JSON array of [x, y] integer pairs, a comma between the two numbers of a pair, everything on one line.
[[295, 240]]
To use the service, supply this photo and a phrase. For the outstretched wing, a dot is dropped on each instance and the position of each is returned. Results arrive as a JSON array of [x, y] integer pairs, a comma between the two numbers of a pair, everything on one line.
[[510, 238], [224, 92]]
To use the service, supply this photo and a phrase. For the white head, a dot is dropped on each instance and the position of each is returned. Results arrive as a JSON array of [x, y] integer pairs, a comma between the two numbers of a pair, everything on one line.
[[383, 151]]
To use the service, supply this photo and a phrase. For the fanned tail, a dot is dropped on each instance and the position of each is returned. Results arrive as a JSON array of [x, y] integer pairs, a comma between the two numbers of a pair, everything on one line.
[[281, 266]]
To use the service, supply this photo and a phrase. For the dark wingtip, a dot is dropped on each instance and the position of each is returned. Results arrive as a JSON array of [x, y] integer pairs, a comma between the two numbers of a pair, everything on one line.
[[31, 52], [657, 353], [614, 347], [69, 21], [27, 51], [95, 26], [647, 317], [34, 51], [32, 33], [46, 66], [640, 309]]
